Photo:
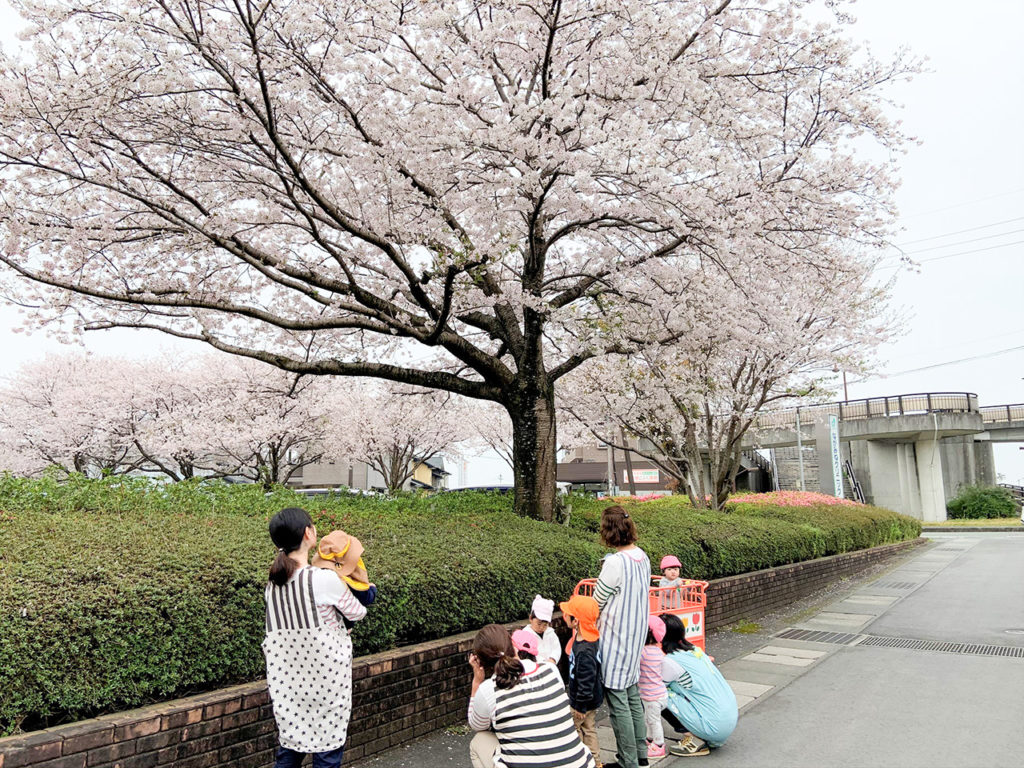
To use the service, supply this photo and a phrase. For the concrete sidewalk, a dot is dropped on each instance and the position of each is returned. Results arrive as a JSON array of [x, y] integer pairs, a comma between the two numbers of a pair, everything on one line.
[[919, 665]]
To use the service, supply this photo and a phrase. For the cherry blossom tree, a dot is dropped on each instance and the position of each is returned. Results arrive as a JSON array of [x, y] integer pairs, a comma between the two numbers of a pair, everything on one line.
[[743, 347], [72, 413], [211, 416], [396, 429], [259, 422], [446, 194], [492, 430]]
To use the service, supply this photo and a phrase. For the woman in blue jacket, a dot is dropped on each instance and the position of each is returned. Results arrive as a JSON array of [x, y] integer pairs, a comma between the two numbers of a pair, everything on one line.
[[699, 698]]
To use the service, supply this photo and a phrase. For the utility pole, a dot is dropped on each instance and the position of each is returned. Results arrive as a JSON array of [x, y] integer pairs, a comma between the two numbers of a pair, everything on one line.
[[800, 449], [629, 463], [611, 469]]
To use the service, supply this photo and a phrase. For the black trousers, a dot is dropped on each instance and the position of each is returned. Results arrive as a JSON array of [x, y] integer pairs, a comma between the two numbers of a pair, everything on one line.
[[674, 721]]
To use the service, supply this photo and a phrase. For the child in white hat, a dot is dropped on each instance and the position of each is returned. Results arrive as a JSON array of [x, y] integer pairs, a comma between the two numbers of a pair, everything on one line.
[[540, 625]]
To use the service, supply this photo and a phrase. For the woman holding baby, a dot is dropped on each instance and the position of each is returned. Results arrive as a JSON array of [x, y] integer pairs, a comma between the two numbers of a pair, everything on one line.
[[307, 646]]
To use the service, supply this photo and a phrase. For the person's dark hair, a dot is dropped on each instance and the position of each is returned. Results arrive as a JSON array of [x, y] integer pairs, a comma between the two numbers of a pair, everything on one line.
[[617, 528], [287, 528], [675, 635], [526, 655], [493, 648], [651, 639]]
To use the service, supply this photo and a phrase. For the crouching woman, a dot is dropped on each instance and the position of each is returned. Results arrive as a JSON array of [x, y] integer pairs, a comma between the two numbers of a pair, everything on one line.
[[519, 709], [307, 647], [699, 699]]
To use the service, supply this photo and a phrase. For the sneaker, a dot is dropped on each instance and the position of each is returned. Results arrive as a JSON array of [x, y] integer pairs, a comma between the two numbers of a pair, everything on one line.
[[656, 750], [689, 748], [640, 761]]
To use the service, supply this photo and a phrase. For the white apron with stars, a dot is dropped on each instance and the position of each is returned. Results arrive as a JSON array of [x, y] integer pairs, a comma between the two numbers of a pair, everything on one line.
[[309, 669]]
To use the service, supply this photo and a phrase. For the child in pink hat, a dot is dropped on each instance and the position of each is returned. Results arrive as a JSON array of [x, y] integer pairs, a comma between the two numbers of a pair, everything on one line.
[[526, 644], [670, 567], [653, 692]]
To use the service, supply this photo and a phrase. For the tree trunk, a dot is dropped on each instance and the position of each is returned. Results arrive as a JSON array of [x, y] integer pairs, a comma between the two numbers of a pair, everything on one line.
[[534, 452]]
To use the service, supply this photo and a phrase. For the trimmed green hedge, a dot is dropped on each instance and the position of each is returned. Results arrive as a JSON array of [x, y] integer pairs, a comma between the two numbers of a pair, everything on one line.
[[119, 592]]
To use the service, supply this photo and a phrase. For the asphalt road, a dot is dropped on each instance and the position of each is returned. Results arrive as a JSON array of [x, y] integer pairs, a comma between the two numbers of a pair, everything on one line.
[[887, 706]]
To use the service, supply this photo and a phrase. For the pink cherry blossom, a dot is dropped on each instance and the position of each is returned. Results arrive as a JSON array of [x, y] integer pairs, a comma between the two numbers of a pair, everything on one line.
[[475, 197]]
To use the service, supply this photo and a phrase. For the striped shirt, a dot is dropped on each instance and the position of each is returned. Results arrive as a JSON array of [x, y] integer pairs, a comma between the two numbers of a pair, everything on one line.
[[532, 721], [622, 595], [652, 687]]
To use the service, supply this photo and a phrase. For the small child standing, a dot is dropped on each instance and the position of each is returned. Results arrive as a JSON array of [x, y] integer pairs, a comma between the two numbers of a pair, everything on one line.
[[653, 692], [585, 689], [670, 567], [670, 599], [540, 624]]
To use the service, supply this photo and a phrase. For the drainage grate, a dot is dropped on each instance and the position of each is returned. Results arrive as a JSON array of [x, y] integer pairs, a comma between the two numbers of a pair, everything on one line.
[[818, 636], [896, 584], [969, 649], [881, 641]]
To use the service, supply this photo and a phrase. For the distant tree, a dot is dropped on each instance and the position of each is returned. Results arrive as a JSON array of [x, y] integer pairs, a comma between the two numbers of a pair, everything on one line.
[[210, 416], [256, 421], [395, 429], [72, 413]]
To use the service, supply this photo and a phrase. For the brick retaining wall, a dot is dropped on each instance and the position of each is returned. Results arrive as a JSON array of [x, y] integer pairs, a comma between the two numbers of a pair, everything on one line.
[[400, 694], [754, 594]]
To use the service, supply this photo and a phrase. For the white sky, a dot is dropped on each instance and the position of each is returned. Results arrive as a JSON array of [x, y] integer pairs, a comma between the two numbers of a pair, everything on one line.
[[968, 174]]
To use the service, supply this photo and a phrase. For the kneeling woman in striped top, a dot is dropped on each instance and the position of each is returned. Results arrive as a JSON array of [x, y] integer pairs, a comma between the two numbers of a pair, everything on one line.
[[520, 710]]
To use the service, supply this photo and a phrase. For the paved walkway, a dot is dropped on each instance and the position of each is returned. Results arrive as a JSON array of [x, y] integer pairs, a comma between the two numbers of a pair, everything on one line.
[[921, 666]]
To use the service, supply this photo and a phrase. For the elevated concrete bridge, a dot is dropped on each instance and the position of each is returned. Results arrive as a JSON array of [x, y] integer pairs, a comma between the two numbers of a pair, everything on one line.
[[908, 452]]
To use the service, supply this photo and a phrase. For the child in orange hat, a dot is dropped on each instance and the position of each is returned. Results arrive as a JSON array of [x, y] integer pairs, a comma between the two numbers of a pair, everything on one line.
[[343, 554], [585, 690]]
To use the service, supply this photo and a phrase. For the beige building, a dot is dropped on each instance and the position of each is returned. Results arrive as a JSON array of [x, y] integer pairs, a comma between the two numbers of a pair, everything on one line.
[[586, 469], [428, 475]]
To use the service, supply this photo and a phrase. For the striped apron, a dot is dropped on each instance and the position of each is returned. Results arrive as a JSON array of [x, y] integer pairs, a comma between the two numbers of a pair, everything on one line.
[[623, 622]]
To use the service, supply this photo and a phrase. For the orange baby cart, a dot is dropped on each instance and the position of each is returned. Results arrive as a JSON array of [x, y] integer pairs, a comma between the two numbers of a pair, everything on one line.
[[688, 601]]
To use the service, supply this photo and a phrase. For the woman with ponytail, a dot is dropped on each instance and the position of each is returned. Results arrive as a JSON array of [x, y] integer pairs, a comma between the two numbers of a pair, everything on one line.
[[307, 647], [535, 726]]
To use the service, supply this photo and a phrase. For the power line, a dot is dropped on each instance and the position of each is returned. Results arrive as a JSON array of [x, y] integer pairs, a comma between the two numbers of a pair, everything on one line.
[[960, 253], [964, 242], [962, 231], [963, 342], [941, 365], [976, 250], [961, 205]]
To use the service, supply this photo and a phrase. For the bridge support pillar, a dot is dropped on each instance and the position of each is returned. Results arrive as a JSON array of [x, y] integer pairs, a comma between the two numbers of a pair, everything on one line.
[[929, 475], [910, 489], [882, 480]]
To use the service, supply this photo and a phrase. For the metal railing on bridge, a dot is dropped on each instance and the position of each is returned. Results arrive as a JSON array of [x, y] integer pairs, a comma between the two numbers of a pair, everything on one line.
[[874, 407], [1002, 414]]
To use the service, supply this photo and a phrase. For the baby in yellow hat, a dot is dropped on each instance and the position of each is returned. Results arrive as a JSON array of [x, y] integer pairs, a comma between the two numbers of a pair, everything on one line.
[[343, 554]]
